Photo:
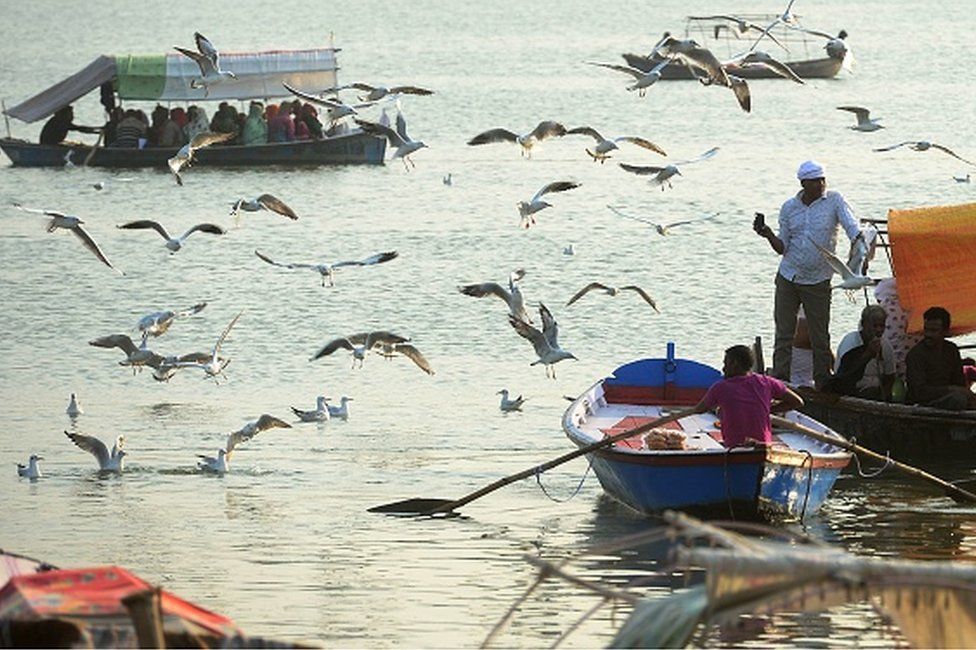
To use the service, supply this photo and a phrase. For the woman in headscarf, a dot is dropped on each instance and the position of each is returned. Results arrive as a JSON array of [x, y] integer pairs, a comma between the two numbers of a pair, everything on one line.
[[198, 122], [310, 117], [255, 129], [281, 128]]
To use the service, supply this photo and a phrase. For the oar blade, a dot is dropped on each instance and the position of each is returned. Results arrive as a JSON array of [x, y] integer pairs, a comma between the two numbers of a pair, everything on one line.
[[969, 485], [413, 507]]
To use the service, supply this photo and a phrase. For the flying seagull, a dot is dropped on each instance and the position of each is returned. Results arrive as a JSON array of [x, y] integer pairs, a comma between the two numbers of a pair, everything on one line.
[[526, 141], [319, 414], [169, 365], [326, 270], [218, 465], [512, 296], [662, 229], [208, 59], [663, 175], [31, 470], [399, 138], [214, 366], [264, 202], [642, 80], [545, 342], [527, 209], [335, 109], [172, 243], [113, 461], [604, 145], [376, 93], [742, 25], [391, 349], [135, 356], [68, 222], [159, 322], [925, 145], [184, 157], [850, 281], [864, 120], [689, 52], [508, 405], [613, 291], [359, 344], [765, 60]]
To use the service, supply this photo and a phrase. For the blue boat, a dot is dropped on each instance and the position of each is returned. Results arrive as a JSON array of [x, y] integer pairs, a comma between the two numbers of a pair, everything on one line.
[[685, 466]]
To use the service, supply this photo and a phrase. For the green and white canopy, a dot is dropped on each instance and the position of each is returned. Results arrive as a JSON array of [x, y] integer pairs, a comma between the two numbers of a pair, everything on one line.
[[167, 77]]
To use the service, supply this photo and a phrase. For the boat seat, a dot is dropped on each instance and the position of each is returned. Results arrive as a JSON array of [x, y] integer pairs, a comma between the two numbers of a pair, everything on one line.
[[667, 395]]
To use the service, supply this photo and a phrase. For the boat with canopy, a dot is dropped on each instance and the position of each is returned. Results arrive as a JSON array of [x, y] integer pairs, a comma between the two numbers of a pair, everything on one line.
[[167, 78]]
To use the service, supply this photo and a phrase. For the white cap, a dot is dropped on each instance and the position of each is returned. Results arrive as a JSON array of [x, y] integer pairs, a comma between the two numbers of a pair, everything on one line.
[[810, 169]]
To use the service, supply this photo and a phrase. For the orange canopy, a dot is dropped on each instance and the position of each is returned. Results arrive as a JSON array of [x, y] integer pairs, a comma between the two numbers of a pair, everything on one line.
[[934, 255]]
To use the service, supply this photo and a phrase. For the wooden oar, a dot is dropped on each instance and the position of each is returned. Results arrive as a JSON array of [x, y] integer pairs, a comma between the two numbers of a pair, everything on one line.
[[425, 506], [91, 153], [954, 491]]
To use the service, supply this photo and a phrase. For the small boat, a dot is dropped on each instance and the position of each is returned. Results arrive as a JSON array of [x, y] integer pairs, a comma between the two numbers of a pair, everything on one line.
[[170, 78], [689, 469], [722, 36]]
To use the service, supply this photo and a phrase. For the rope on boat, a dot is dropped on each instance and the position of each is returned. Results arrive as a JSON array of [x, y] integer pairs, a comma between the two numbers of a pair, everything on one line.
[[538, 479], [862, 473]]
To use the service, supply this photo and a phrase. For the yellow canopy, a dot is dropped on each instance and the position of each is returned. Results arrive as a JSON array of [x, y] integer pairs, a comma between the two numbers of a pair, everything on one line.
[[934, 255]]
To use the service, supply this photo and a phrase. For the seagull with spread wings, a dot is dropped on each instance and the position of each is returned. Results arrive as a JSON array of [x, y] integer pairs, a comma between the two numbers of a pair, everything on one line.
[[158, 322], [663, 175], [865, 122], [184, 157], [326, 270], [359, 344], [604, 146], [528, 209], [613, 291], [742, 25], [663, 229], [642, 80], [512, 296], [68, 222], [391, 350], [214, 366], [335, 109], [108, 461], [267, 202], [135, 356], [399, 139], [925, 145], [850, 281], [172, 243], [758, 58], [545, 341], [219, 464], [376, 93], [526, 141], [208, 60]]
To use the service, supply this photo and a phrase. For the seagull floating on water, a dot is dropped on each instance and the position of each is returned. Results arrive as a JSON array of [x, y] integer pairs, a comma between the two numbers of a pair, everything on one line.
[[569, 249], [184, 157], [215, 365], [663, 175], [526, 141], [359, 344], [508, 405], [31, 470], [208, 60], [135, 356], [962, 179], [604, 146], [320, 413], [218, 464], [74, 407], [864, 120], [159, 322], [326, 270], [512, 296], [545, 342], [264, 202], [172, 243], [341, 411], [68, 222], [613, 291], [398, 139], [925, 145], [113, 461], [527, 209], [448, 180]]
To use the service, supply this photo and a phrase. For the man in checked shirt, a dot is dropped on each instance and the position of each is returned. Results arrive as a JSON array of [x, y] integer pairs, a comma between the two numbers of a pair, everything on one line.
[[804, 275]]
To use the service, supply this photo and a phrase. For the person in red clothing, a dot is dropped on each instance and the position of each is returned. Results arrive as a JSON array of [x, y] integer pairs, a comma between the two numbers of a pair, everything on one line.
[[745, 399]]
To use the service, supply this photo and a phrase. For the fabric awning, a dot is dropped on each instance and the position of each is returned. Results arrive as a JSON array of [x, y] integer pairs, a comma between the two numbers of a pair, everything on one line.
[[64, 92], [934, 254]]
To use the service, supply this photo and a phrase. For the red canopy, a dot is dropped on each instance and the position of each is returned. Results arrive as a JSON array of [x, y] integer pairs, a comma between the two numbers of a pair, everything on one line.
[[94, 595]]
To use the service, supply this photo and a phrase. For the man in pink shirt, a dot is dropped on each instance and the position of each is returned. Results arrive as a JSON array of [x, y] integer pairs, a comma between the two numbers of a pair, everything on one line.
[[745, 399]]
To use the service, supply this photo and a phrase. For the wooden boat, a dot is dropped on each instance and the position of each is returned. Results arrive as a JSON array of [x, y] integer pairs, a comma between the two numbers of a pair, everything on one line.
[[170, 78], [789, 479]]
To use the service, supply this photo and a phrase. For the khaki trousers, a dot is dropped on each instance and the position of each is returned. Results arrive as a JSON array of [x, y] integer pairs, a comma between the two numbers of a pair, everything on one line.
[[815, 299]]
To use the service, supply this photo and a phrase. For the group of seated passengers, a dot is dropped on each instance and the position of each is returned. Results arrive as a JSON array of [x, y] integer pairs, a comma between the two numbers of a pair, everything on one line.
[[935, 373], [131, 128]]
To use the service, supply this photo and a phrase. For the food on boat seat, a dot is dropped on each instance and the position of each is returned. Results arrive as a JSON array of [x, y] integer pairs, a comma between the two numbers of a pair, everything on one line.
[[664, 439]]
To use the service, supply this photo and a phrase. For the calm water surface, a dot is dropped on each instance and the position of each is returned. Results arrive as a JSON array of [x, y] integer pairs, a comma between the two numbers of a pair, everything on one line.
[[283, 544]]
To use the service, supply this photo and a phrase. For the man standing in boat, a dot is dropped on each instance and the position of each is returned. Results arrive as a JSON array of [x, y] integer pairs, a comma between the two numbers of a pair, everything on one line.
[[745, 399], [807, 220]]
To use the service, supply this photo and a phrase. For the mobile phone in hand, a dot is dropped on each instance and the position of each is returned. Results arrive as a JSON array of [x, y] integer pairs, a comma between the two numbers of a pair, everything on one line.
[[759, 223]]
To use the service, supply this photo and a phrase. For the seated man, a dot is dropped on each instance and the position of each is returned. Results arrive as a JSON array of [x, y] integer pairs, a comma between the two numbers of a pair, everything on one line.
[[56, 129], [933, 368], [865, 365], [745, 400]]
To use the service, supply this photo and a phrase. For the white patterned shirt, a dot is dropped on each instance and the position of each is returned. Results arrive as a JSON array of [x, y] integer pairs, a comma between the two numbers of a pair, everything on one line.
[[798, 224]]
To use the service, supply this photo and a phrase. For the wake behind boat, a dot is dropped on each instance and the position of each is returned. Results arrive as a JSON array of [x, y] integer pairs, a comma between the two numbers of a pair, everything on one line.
[[684, 465]]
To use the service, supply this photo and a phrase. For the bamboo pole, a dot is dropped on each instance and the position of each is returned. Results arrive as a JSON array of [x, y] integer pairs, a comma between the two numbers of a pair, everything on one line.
[[6, 119], [145, 610]]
